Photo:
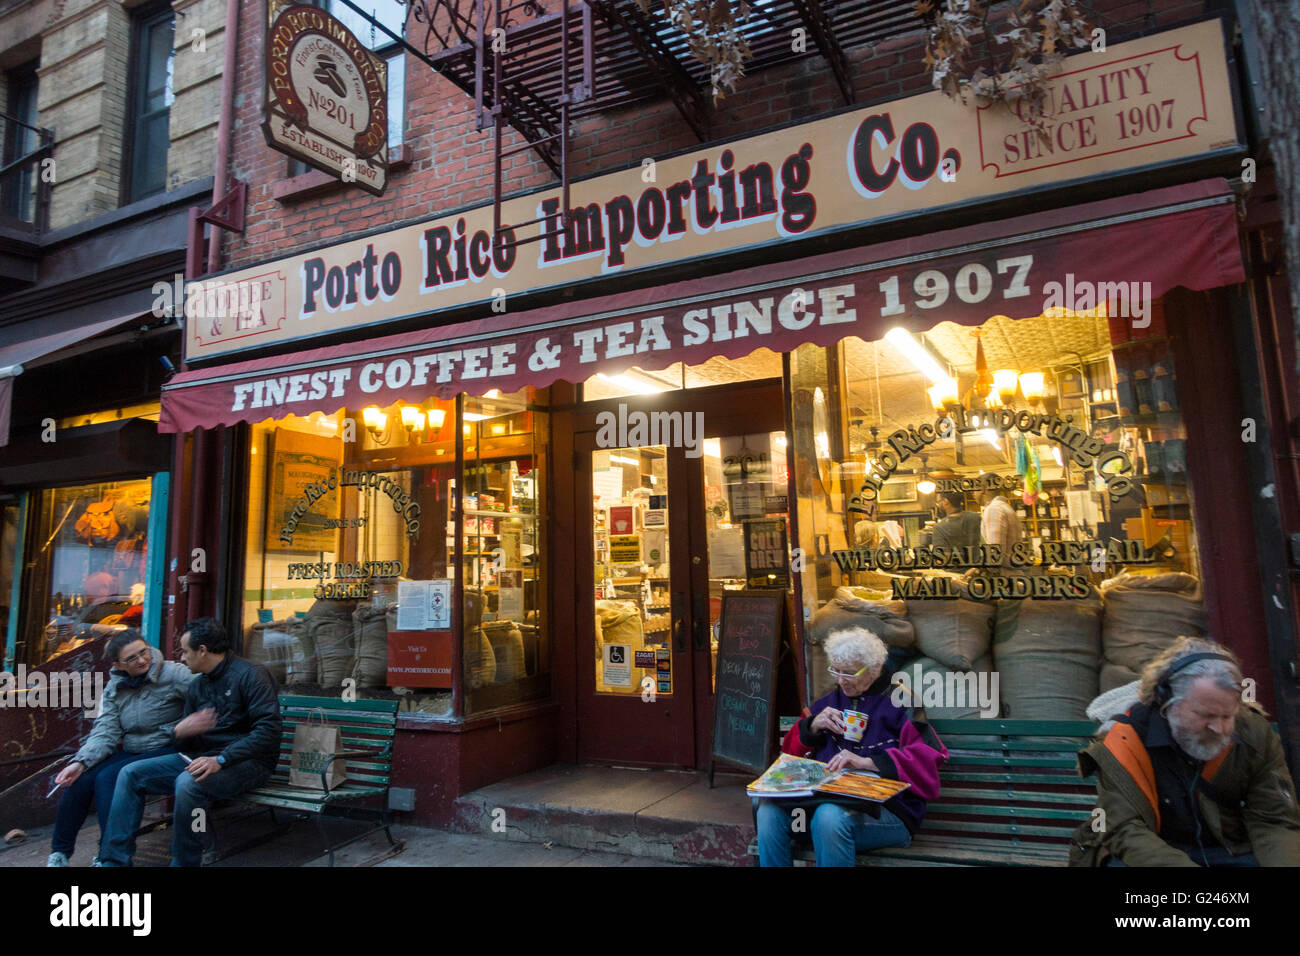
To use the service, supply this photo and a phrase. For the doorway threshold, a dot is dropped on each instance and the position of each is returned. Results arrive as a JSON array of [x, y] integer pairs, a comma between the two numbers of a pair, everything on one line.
[[657, 814]]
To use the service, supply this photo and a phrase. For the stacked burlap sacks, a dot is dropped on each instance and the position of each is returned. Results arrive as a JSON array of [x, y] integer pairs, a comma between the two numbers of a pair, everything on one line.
[[617, 622], [370, 669], [922, 672], [508, 648], [1046, 653], [1141, 616], [853, 608], [956, 633], [953, 636], [329, 630], [480, 661], [283, 649]]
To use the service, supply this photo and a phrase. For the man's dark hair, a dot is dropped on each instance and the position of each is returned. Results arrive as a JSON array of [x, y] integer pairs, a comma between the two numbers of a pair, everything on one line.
[[954, 498], [119, 641], [207, 632]]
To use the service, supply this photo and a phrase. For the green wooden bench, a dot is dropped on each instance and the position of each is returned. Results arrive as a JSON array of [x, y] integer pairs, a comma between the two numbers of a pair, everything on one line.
[[1010, 795], [368, 729]]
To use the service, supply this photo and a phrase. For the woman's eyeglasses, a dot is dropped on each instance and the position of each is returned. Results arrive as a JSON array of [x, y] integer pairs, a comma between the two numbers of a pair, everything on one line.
[[834, 673], [139, 655]]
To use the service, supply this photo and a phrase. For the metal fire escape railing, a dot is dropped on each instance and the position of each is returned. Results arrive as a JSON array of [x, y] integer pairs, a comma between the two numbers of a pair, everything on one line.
[[538, 66], [24, 175], [504, 65]]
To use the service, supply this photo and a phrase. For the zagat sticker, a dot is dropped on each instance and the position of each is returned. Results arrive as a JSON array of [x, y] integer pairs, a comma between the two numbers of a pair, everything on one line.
[[645, 658]]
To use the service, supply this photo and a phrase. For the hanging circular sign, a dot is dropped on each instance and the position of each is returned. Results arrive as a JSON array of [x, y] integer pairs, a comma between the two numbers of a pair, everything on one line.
[[326, 81]]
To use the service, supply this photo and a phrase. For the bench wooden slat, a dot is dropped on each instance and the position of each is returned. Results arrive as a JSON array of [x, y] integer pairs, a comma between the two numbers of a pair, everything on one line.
[[372, 705], [1001, 810], [369, 747], [1017, 797], [992, 760], [1010, 829], [1059, 779], [982, 727], [374, 737], [1019, 746]]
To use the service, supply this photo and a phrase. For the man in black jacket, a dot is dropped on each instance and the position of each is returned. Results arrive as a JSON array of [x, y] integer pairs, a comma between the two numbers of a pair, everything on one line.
[[228, 741]]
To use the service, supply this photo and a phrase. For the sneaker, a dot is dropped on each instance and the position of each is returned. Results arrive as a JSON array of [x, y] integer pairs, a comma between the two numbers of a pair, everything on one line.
[[57, 859]]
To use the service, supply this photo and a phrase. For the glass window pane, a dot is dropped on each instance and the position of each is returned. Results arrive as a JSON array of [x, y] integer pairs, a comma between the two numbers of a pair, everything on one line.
[[759, 364], [344, 559], [158, 66], [396, 101], [152, 141], [88, 568], [629, 491], [506, 649], [1065, 441], [388, 12]]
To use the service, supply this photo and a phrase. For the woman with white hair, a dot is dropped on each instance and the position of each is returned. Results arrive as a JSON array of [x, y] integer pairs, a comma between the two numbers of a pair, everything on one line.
[[892, 746]]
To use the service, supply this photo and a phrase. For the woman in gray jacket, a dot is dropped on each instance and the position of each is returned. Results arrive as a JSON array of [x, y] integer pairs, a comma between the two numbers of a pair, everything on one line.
[[139, 707]]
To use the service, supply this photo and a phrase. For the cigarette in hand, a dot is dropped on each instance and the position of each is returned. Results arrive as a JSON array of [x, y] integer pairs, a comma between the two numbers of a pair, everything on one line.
[[183, 757], [52, 789]]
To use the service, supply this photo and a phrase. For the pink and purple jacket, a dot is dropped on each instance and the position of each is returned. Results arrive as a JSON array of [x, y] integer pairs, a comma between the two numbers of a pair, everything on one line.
[[900, 749]]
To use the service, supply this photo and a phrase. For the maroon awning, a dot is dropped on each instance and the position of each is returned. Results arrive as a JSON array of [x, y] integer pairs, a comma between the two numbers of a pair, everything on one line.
[[1127, 249], [30, 341]]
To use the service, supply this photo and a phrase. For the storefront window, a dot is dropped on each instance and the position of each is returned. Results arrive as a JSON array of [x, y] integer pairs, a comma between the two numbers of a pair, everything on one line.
[[761, 363], [350, 562], [1088, 566], [507, 649], [633, 607], [88, 565]]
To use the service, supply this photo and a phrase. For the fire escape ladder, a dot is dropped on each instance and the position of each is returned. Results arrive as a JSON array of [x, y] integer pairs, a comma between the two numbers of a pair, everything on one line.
[[818, 24], [675, 81], [516, 66]]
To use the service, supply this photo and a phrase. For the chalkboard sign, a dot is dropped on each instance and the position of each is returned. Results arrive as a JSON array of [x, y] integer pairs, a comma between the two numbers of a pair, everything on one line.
[[744, 720]]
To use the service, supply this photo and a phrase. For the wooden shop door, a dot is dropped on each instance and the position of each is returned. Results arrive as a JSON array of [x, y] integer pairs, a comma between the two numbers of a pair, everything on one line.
[[659, 515]]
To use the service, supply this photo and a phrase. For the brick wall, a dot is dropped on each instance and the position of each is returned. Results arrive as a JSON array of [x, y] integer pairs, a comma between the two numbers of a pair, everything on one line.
[[452, 165]]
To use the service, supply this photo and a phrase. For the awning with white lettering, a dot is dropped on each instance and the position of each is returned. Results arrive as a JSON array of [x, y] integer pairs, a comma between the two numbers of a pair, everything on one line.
[[1127, 251]]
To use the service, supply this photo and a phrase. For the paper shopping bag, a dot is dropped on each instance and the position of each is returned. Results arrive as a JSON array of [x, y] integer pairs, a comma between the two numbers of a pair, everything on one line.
[[313, 746]]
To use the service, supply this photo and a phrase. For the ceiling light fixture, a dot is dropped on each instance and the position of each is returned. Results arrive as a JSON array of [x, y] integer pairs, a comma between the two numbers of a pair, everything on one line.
[[916, 353]]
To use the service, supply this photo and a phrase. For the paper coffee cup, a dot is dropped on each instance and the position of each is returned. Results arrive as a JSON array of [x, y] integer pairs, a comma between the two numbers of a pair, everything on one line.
[[855, 725]]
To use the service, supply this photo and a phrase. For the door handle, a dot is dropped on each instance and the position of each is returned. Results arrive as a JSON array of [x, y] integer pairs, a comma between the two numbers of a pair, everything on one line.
[[679, 639], [700, 621]]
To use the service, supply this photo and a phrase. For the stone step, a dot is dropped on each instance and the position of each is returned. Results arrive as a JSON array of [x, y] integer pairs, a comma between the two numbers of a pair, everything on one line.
[[653, 814]]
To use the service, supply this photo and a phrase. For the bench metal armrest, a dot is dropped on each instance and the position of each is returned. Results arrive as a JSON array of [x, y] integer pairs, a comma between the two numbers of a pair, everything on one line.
[[324, 780]]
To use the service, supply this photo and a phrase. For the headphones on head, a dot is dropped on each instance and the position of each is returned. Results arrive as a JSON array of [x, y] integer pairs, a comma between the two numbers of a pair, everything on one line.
[[1165, 690]]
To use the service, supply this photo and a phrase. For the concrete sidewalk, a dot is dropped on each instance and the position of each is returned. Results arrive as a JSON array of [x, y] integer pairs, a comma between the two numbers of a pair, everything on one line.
[[668, 815], [301, 846]]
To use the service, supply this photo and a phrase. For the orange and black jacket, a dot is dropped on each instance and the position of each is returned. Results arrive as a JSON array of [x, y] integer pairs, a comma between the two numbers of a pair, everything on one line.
[[1162, 812]]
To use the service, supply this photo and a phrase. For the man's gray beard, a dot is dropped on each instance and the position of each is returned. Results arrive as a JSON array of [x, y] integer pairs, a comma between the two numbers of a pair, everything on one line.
[[1205, 746]]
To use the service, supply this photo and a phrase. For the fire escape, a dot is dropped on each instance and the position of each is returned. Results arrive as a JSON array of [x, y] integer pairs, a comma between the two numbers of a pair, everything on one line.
[[538, 66]]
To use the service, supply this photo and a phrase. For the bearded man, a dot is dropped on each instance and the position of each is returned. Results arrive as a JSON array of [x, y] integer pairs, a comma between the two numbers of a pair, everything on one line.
[[1190, 775]]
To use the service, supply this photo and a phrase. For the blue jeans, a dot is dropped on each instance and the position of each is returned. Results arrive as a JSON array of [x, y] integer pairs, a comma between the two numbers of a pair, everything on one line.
[[167, 775], [838, 833], [95, 784]]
